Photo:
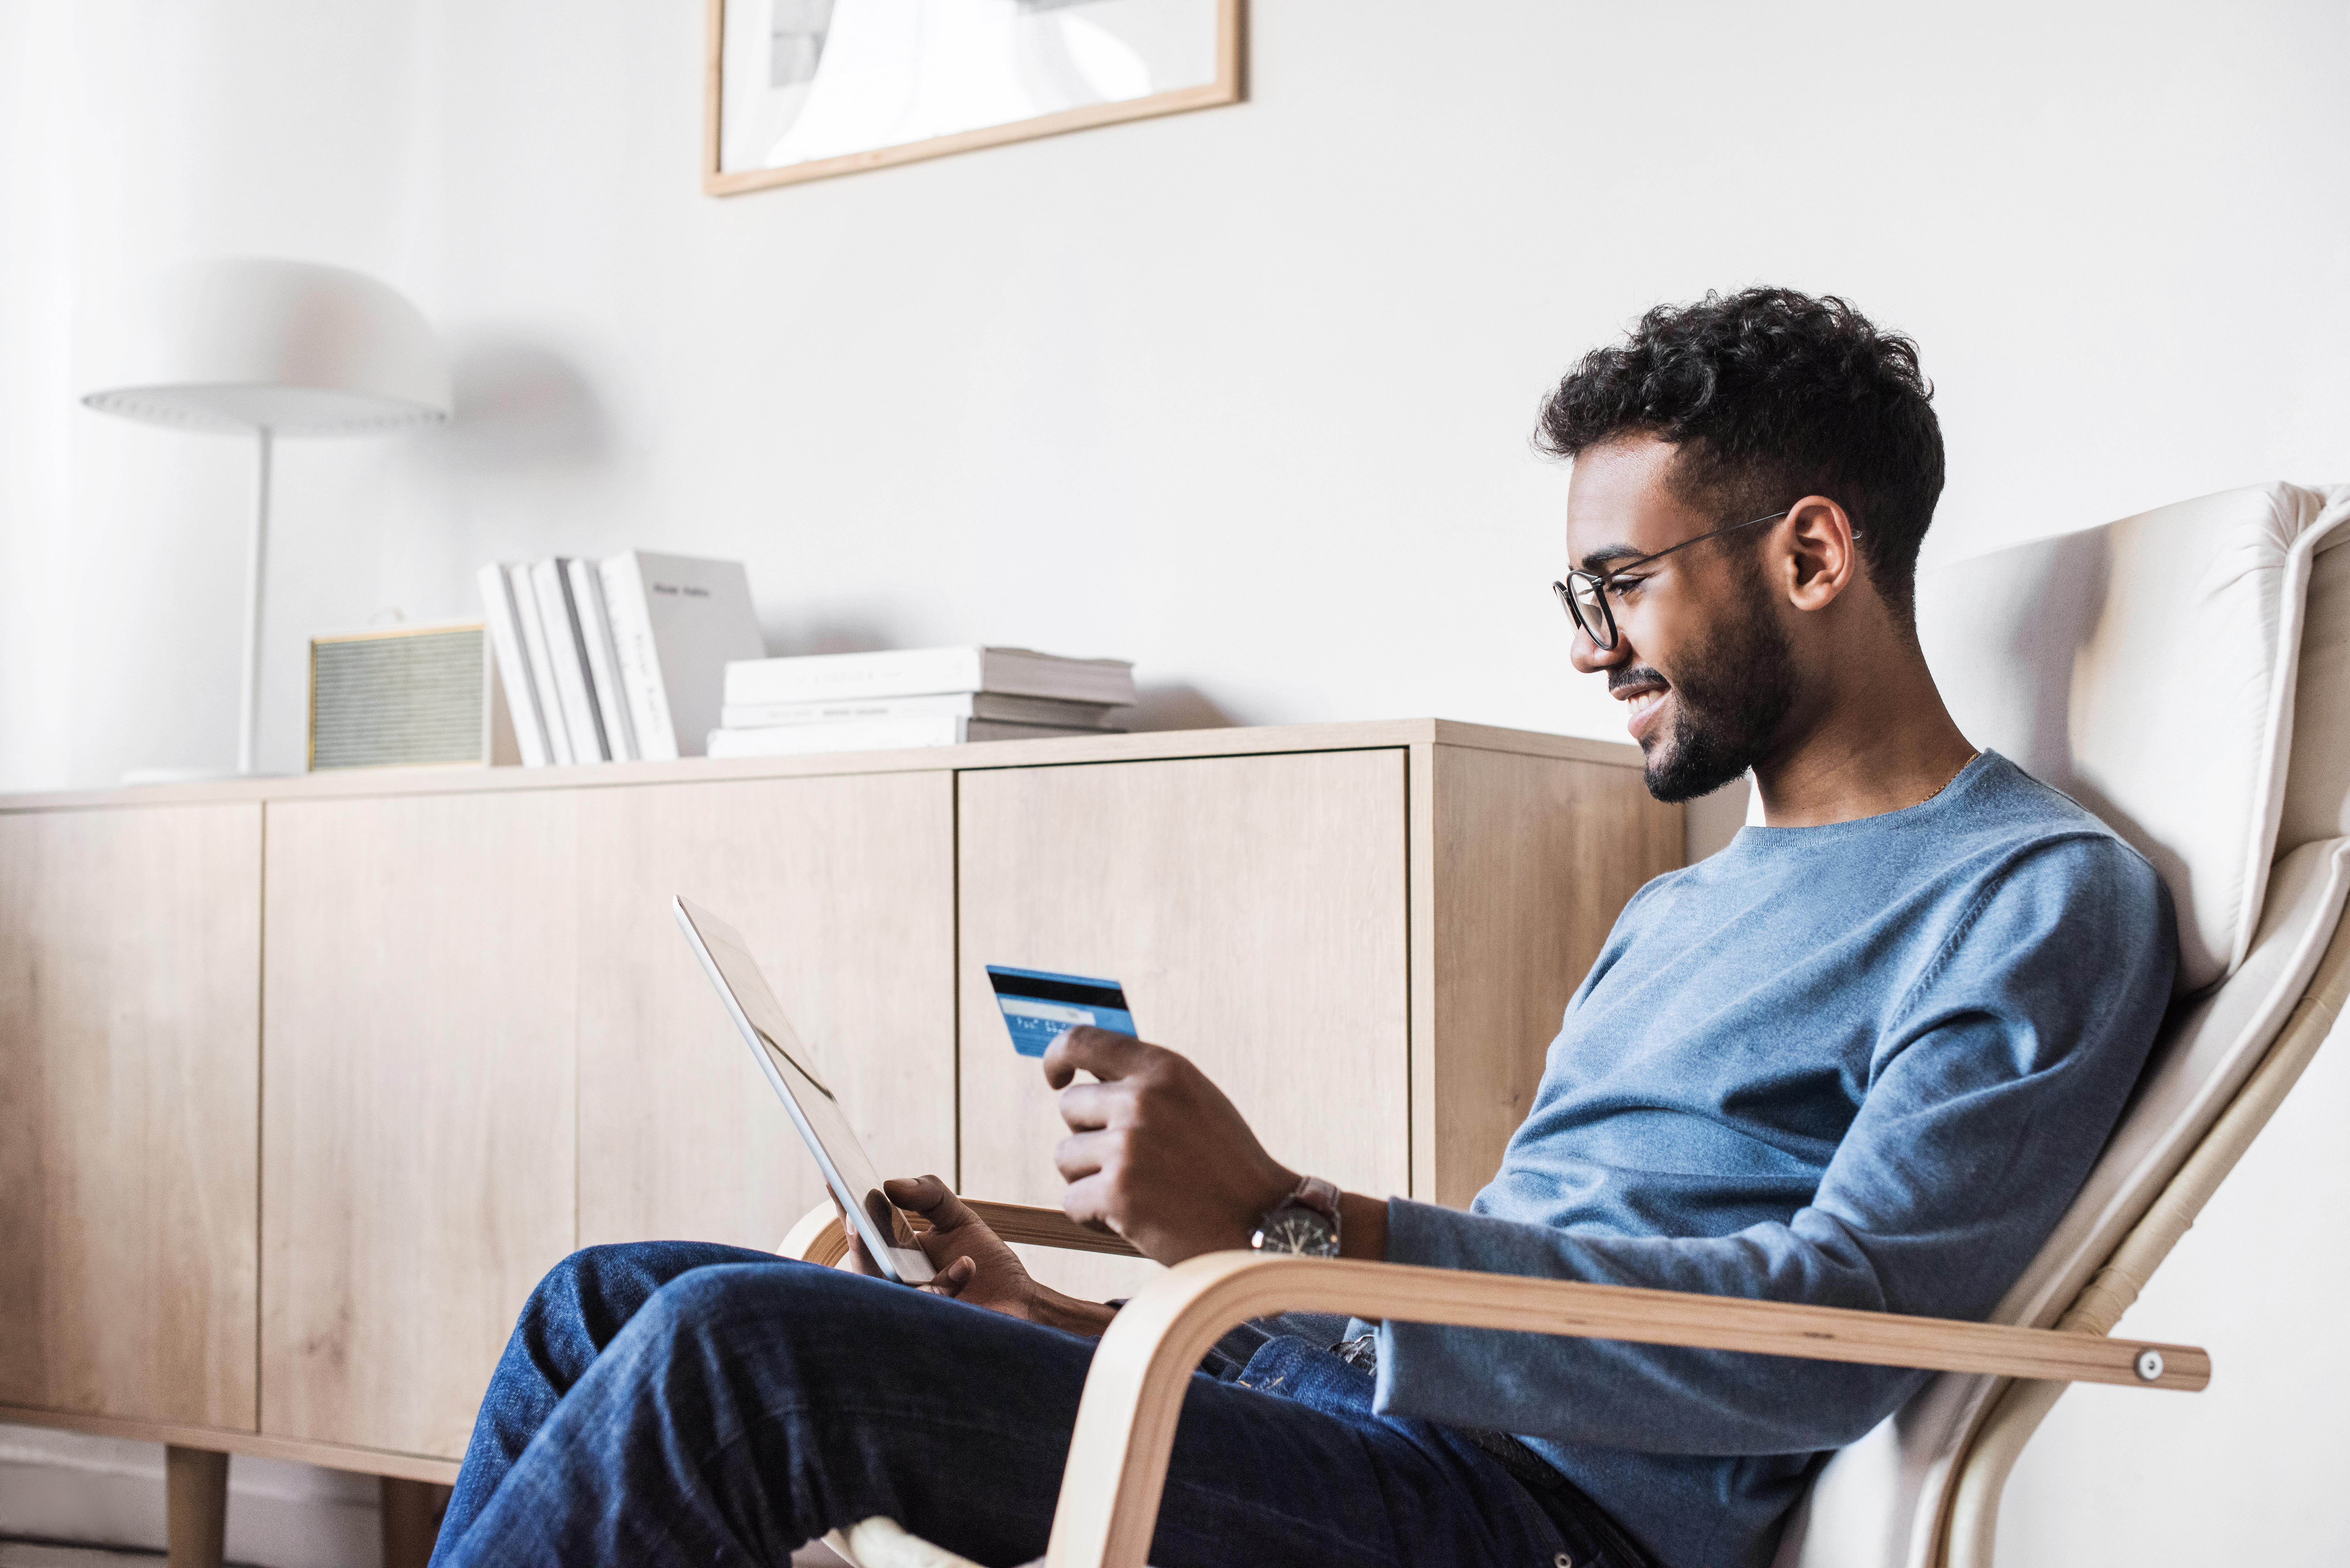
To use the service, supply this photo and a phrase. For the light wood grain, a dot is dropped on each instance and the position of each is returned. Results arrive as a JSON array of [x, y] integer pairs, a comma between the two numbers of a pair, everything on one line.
[[1224, 89], [347, 784], [129, 1041], [1254, 909], [1031, 1226], [1134, 1392], [844, 889], [449, 949], [1527, 861], [419, 1105]]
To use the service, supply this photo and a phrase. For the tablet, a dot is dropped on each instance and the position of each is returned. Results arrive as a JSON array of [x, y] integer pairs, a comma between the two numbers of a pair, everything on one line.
[[814, 1110]]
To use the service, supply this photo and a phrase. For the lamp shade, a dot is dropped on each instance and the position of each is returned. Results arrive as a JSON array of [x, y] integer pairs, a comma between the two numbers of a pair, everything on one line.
[[292, 347]]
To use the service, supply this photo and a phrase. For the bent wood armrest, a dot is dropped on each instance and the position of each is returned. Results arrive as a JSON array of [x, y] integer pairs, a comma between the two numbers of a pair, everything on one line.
[[1126, 1421], [821, 1237]]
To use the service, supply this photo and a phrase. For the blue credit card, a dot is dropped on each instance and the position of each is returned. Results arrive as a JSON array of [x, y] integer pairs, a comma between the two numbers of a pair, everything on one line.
[[1038, 1005]]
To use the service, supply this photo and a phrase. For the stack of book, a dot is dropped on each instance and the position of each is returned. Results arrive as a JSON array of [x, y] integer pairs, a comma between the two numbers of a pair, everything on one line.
[[618, 660], [915, 697]]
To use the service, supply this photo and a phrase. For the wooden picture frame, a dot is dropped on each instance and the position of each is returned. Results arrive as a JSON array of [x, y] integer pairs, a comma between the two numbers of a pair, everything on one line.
[[1226, 87]]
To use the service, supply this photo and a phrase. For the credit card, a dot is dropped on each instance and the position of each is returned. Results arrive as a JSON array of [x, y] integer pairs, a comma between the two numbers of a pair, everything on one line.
[[1039, 1004]]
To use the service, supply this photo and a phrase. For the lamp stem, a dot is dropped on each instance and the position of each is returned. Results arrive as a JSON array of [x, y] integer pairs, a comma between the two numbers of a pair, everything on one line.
[[249, 714]]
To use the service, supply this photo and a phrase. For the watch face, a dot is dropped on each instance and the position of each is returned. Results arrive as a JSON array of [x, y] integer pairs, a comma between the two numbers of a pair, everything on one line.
[[1297, 1231]]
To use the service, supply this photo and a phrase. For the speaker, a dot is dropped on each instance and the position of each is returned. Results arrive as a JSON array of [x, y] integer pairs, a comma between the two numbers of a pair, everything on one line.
[[407, 697]]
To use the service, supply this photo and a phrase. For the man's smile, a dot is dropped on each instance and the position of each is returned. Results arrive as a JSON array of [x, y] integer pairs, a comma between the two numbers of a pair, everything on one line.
[[1644, 692]]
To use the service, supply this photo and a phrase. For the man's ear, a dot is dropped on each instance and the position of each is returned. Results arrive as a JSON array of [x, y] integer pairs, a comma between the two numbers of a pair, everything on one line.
[[1821, 560]]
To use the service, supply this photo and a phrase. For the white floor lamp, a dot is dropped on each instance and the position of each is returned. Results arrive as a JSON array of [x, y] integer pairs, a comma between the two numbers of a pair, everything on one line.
[[271, 349]]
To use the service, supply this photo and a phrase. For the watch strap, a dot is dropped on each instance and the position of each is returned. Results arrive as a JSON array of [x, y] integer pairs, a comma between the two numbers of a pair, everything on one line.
[[1318, 1195]]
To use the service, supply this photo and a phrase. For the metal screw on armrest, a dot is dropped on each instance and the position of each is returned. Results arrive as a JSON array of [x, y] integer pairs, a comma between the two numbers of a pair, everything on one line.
[[2149, 1365]]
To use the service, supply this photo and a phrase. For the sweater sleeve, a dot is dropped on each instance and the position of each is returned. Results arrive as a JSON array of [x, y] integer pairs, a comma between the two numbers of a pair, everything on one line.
[[1989, 1102]]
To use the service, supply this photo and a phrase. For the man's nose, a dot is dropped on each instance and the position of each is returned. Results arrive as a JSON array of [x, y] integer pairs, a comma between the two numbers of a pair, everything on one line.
[[1590, 659]]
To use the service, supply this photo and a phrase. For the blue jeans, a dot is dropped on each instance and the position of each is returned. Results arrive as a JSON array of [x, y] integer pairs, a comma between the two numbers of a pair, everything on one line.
[[672, 1402]]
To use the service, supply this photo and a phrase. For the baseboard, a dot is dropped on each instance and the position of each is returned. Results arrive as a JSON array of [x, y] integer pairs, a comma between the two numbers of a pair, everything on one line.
[[108, 1492]]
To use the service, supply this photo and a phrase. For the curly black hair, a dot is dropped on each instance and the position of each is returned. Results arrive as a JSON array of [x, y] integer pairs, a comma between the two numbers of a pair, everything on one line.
[[1771, 395]]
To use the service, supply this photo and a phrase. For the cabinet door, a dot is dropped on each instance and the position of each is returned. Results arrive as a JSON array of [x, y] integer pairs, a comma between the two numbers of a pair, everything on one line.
[[1531, 859], [129, 973], [844, 889], [417, 1103], [1254, 908]]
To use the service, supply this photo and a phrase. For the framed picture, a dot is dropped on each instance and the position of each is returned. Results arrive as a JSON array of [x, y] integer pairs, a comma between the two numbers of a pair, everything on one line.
[[801, 89]]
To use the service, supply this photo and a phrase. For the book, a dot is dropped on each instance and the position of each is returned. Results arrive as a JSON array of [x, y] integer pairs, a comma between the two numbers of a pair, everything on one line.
[[916, 671], [566, 656], [875, 735], [513, 664], [965, 704], [603, 660], [677, 621], [541, 671]]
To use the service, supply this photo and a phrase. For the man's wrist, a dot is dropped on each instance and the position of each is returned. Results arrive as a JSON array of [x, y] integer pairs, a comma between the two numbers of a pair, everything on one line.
[[1068, 1313], [1362, 1227]]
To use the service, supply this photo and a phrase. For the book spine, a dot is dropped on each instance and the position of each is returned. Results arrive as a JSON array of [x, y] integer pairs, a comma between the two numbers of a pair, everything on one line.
[[541, 671], [760, 715], [640, 662], [568, 651], [563, 660], [513, 666], [603, 663], [969, 704], [871, 735], [846, 677]]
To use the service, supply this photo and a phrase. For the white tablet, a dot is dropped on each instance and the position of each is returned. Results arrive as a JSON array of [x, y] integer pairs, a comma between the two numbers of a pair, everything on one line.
[[813, 1108]]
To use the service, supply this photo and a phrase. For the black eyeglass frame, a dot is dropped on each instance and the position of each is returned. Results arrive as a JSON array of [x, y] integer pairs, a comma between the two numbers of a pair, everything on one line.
[[1599, 581]]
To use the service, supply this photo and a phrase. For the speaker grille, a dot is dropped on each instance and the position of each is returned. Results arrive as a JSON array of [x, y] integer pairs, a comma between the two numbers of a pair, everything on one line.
[[400, 699]]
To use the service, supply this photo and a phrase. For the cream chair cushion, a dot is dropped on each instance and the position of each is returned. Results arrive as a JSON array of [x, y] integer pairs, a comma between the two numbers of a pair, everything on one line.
[[2147, 669], [2186, 675]]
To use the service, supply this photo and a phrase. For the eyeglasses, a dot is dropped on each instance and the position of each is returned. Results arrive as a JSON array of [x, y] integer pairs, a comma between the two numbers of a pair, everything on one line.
[[1583, 595]]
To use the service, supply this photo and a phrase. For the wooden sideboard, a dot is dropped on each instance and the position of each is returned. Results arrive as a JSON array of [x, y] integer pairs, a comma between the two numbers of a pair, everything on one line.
[[304, 1082]]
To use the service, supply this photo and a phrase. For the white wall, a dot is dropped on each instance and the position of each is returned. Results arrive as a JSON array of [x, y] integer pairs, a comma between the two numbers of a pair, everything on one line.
[[63, 1486], [1242, 394]]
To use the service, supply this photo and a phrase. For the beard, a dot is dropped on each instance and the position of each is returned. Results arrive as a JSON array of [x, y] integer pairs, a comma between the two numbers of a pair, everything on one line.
[[1735, 691]]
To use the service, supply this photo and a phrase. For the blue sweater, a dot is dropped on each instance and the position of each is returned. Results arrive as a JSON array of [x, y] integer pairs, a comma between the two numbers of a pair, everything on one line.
[[1860, 1065]]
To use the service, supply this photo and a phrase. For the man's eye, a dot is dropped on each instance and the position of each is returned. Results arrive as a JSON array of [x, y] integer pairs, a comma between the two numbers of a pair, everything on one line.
[[1619, 587]]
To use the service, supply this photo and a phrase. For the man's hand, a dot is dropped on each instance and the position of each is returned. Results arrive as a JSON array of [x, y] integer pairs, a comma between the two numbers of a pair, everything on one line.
[[974, 1263], [1156, 1154]]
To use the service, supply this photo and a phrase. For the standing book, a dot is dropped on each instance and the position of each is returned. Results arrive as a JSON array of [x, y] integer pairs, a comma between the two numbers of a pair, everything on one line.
[[513, 664], [603, 660], [677, 621], [567, 656], [541, 668]]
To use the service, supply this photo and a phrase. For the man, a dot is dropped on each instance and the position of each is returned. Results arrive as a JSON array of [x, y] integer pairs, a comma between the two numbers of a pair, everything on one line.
[[1863, 1058]]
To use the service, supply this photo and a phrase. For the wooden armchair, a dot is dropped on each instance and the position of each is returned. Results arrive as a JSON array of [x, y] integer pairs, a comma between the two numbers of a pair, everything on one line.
[[1126, 1423], [2186, 675]]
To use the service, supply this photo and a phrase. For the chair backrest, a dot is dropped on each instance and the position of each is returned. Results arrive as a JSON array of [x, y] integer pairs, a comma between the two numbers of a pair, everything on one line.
[[2185, 674]]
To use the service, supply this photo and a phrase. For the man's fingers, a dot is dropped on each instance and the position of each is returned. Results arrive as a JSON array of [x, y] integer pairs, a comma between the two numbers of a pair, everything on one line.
[[1086, 1106], [1081, 1155], [930, 1197], [951, 1279], [1096, 1051], [855, 1260], [859, 1260], [1087, 1203]]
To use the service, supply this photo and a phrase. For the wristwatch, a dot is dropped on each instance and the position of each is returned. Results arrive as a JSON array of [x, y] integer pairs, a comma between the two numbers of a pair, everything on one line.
[[1303, 1225]]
